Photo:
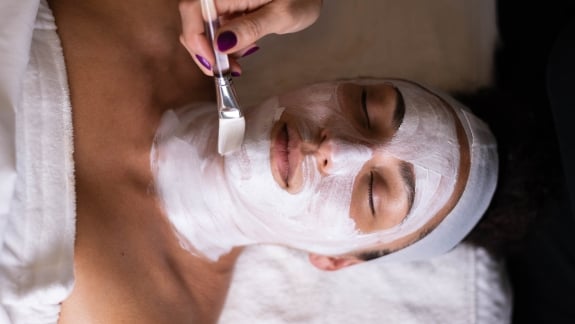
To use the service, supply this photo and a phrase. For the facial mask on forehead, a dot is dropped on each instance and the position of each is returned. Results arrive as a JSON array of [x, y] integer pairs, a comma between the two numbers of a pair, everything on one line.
[[427, 139], [474, 200]]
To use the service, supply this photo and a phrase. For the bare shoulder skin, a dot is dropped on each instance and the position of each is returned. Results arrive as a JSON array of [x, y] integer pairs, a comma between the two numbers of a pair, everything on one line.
[[125, 67]]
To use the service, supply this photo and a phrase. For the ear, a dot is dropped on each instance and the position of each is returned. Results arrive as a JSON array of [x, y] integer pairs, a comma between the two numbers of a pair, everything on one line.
[[332, 263]]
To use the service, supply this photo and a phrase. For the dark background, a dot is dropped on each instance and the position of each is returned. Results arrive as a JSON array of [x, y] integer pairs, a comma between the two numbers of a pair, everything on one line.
[[531, 111]]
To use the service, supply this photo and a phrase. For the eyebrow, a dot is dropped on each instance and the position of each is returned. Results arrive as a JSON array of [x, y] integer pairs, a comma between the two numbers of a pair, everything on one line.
[[406, 172], [399, 112], [371, 255]]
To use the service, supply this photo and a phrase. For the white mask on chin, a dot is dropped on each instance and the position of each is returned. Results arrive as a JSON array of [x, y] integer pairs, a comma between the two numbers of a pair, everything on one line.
[[215, 203]]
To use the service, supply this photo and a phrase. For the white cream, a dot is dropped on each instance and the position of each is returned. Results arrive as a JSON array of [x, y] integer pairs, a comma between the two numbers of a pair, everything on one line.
[[216, 203], [427, 139]]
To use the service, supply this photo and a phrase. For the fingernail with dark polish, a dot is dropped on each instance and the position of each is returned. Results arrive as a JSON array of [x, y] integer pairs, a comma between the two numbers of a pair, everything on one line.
[[251, 51], [227, 40], [204, 62], [236, 74]]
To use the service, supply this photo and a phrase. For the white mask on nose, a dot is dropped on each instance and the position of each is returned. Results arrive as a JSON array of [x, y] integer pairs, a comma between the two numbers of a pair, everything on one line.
[[427, 139], [215, 205]]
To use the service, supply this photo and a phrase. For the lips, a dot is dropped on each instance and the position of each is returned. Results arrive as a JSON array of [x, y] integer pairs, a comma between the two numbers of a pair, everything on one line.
[[285, 155]]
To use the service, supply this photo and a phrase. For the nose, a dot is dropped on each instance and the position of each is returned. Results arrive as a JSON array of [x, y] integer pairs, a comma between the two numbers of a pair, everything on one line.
[[334, 155]]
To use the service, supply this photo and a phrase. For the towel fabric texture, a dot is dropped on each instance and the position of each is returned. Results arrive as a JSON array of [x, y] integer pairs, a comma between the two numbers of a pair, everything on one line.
[[37, 232], [276, 285]]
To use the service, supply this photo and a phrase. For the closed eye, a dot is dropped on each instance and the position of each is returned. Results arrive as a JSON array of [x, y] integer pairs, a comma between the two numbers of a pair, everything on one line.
[[364, 105], [370, 194]]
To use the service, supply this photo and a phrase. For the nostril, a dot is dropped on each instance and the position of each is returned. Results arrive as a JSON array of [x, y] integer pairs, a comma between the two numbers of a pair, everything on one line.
[[323, 136], [324, 166]]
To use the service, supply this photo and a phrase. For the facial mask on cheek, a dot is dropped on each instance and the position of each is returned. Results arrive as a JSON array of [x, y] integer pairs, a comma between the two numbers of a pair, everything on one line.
[[318, 104], [216, 204], [314, 219], [315, 215]]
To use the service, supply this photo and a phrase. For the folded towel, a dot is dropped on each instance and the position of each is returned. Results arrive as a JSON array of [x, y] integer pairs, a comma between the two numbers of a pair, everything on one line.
[[278, 285], [36, 246]]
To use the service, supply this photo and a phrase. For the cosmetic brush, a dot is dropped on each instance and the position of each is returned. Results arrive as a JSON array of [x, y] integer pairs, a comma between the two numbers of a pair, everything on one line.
[[232, 125]]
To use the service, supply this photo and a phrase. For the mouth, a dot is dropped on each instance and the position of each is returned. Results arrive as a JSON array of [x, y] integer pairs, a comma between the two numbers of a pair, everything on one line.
[[285, 154]]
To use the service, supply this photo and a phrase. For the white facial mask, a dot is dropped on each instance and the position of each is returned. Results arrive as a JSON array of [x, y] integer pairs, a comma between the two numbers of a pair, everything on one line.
[[427, 139], [475, 199], [216, 204]]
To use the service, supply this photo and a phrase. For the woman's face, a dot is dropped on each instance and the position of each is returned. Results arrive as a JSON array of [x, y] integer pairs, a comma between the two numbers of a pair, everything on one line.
[[337, 152], [331, 168]]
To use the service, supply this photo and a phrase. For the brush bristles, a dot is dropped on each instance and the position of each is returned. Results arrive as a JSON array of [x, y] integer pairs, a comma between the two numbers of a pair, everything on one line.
[[230, 134]]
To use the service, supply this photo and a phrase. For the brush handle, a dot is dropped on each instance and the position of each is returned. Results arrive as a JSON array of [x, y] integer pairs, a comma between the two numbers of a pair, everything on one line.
[[211, 24]]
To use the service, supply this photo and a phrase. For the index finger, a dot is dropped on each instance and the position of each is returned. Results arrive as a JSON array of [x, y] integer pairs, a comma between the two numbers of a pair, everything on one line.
[[193, 37]]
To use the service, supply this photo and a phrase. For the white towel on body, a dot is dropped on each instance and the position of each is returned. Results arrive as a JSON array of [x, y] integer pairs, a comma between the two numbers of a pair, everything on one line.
[[37, 238]]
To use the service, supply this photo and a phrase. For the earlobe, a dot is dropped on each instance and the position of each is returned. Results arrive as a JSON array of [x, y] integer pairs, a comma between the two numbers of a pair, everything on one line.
[[332, 263]]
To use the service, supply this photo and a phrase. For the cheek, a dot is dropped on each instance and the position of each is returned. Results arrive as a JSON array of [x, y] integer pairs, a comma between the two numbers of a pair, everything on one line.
[[317, 104], [312, 113], [311, 121]]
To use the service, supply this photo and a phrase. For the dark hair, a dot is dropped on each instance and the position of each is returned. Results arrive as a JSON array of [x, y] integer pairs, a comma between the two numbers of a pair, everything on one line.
[[529, 169], [370, 255]]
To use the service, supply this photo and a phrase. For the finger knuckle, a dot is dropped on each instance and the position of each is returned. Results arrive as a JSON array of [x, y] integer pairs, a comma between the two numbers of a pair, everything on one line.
[[301, 14], [252, 28]]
